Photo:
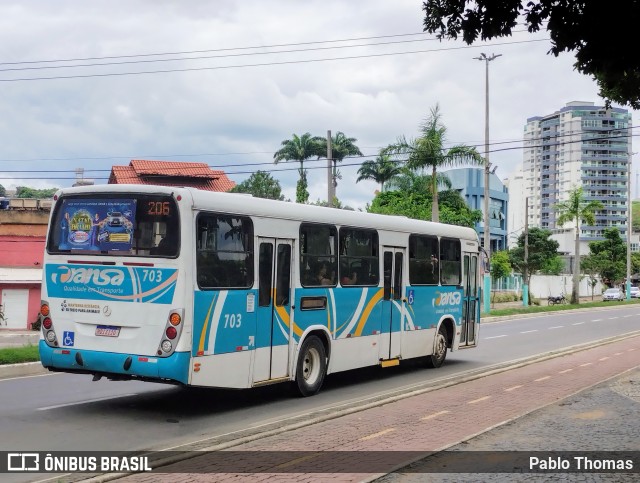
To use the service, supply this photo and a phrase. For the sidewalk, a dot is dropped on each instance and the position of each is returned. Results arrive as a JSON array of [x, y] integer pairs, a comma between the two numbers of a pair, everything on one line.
[[426, 422], [18, 338]]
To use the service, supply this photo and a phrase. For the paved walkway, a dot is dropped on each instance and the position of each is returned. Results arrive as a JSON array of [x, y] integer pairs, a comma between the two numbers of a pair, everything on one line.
[[412, 427]]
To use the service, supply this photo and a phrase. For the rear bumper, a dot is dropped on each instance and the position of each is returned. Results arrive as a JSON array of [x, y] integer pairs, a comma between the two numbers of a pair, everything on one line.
[[174, 368]]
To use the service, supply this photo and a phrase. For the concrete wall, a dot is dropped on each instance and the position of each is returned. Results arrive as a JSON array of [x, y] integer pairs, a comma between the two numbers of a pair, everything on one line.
[[23, 223], [542, 286]]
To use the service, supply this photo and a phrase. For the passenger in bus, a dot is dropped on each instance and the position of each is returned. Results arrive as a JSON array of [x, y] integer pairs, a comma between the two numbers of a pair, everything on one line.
[[434, 264], [323, 277], [349, 280], [167, 245]]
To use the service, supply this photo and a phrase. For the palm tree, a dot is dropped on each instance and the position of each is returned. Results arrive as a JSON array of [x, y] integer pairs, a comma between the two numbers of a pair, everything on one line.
[[341, 147], [577, 209], [408, 180], [380, 170], [428, 151], [300, 148]]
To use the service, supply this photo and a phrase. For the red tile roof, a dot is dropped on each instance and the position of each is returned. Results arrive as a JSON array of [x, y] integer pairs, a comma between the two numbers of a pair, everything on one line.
[[171, 173]]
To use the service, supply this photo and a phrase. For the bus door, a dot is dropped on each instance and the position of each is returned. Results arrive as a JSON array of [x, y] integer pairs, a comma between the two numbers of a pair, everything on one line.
[[470, 300], [393, 304], [273, 325]]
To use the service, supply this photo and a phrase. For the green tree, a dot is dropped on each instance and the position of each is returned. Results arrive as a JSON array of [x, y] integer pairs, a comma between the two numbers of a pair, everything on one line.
[[3, 191], [336, 204], [261, 185], [300, 148], [591, 268], [427, 151], [553, 266], [381, 170], [500, 266], [635, 262], [25, 192], [413, 204], [409, 180], [609, 257], [341, 147], [576, 209], [573, 25], [541, 248]]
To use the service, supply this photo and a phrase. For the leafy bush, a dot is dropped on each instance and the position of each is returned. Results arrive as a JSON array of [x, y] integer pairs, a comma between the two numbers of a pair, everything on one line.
[[501, 297]]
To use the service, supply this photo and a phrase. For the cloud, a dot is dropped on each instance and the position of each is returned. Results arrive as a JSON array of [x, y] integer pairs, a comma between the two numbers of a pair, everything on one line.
[[234, 116]]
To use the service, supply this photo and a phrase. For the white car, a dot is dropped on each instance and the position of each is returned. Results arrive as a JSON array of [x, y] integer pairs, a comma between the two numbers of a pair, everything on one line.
[[635, 292], [612, 294]]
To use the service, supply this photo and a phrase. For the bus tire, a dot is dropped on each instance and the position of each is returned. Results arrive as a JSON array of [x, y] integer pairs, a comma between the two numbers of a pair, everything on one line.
[[436, 359], [311, 367]]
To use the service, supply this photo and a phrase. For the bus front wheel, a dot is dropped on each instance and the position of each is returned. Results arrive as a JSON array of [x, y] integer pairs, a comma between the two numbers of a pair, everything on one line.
[[311, 367], [439, 350]]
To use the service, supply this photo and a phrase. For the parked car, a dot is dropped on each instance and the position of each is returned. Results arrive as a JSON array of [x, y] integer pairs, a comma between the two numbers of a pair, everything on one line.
[[612, 294], [635, 292]]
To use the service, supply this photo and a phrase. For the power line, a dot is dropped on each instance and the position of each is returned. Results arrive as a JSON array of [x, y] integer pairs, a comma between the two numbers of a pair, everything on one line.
[[229, 49], [186, 52], [268, 64], [243, 153], [225, 56]]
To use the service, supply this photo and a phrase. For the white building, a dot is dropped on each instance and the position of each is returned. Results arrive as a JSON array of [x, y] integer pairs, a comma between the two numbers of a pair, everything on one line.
[[579, 145]]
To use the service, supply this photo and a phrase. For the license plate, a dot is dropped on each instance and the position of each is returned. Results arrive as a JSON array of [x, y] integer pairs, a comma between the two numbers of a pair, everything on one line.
[[108, 330]]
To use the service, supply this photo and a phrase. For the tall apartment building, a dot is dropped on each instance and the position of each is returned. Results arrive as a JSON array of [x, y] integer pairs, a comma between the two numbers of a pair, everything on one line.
[[580, 145]]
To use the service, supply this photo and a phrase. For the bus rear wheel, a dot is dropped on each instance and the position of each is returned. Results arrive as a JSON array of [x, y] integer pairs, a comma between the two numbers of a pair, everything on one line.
[[312, 366], [440, 349]]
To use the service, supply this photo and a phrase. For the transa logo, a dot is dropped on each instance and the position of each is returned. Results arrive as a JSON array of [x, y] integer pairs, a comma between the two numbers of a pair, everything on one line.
[[85, 276], [447, 298]]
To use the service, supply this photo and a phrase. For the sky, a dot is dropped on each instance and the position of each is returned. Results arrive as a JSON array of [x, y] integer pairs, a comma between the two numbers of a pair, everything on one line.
[[225, 82]]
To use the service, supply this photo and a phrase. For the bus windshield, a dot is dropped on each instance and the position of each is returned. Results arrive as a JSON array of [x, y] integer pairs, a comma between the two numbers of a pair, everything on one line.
[[123, 225]]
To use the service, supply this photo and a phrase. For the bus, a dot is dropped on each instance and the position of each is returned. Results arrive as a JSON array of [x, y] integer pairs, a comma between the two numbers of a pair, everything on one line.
[[210, 289]]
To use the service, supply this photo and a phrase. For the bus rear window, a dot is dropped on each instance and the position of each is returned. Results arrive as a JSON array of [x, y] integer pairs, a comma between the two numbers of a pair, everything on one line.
[[140, 225]]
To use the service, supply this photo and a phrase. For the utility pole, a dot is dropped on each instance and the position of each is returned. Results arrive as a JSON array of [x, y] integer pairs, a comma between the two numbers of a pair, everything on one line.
[[629, 226], [525, 285], [330, 187], [487, 166]]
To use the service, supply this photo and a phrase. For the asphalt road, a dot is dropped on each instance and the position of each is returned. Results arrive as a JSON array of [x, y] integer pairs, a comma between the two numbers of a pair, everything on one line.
[[70, 412]]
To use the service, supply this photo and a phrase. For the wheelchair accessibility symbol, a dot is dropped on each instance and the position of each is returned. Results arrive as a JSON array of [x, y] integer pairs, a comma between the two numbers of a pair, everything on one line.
[[68, 338]]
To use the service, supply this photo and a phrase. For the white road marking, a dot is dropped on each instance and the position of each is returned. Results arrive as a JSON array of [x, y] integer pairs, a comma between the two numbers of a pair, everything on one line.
[[375, 435], [479, 400], [87, 401], [557, 327], [513, 388], [529, 331], [434, 415], [494, 337]]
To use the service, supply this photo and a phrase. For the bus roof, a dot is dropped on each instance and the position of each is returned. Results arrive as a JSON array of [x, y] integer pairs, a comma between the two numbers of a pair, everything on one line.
[[248, 205]]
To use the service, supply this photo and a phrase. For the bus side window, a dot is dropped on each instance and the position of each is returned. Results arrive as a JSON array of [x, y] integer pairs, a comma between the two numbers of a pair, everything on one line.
[[424, 266], [317, 247], [450, 261], [358, 257]]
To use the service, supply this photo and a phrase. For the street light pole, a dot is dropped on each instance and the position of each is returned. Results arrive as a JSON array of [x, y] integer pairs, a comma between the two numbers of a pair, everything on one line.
[[629, 227], [487, 166]]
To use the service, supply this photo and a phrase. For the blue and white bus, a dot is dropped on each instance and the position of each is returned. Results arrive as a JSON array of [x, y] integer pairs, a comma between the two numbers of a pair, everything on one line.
[[200, 288]]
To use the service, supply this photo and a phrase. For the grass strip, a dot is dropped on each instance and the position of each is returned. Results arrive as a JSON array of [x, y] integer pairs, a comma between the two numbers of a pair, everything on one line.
[[16, 355], [534, 309]]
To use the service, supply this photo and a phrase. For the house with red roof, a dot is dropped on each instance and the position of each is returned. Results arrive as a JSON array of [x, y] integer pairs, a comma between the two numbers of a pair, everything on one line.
[[171, 173]]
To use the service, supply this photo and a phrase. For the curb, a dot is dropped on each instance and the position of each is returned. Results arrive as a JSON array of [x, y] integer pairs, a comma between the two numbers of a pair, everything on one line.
[[8, 371]]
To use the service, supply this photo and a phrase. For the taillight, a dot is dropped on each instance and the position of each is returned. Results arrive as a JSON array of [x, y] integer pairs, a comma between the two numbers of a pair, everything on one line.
[[171, 332], [46, 323], [175, 319], [44, 310]]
